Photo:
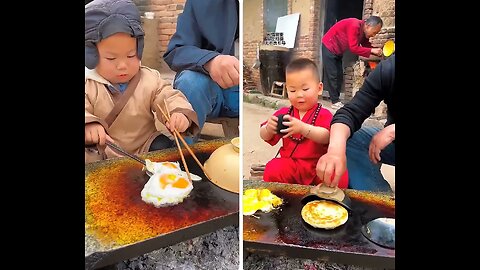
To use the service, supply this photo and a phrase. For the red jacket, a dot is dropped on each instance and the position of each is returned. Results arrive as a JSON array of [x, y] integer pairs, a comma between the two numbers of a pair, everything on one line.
[[347, 34]]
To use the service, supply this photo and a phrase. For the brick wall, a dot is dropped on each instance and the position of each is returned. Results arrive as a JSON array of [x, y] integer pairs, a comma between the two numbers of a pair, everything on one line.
[[385, 9], [250, 55], [308, 44], [253, 33], [143, 5], [367, 8], [166, 13], [348, 79]]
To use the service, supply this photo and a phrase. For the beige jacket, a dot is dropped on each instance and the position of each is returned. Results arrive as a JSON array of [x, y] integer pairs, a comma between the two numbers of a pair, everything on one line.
[[134, 128]]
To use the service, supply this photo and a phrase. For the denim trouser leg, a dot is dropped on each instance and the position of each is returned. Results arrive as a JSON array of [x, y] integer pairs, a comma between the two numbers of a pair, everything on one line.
[[363, 174], [208, 99]]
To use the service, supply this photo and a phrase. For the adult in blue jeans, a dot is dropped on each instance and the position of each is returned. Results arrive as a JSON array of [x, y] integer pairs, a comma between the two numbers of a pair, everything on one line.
[[204, 53], [363, 149]]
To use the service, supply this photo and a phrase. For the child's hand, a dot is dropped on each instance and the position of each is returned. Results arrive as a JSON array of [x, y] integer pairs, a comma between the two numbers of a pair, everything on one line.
[[178, 121], [95, 134], [295, 126], [271, 125]]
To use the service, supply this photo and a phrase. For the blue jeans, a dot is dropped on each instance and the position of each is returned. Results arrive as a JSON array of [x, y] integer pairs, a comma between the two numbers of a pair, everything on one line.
[[363, 173], [208, 99]]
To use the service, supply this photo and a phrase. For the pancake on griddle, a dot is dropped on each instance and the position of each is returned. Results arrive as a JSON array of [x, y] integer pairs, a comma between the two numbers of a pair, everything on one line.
[[324, 214]]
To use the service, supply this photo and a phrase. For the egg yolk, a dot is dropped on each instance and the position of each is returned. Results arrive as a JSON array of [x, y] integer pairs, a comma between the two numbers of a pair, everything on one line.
[[255, 199], [249, 209], [265, 194], [251, 192], [170, 179], [167, 179], [170, 165], [181, 183]]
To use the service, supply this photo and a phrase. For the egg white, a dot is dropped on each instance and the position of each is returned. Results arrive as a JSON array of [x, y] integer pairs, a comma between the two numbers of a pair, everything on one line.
[[153, 192], [161, 167]]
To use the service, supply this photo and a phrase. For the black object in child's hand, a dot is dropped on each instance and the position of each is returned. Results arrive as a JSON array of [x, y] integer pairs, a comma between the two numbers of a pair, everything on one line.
[[280, 122]]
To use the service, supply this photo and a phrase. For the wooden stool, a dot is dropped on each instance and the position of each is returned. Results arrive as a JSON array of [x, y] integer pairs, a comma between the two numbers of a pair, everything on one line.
[[280, 88]]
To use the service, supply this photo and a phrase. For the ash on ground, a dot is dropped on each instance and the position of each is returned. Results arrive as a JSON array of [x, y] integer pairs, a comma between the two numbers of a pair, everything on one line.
[[216, 250], [264, 262]]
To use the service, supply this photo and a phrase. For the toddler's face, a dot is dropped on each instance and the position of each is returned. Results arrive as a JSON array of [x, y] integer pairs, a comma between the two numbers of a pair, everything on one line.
[[118, 61], [303, 89]]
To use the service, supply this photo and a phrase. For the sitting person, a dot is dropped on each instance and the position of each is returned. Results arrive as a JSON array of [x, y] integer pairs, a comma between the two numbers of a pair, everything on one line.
[[204, 53], [305, 139], [120, 95], [363, 149]]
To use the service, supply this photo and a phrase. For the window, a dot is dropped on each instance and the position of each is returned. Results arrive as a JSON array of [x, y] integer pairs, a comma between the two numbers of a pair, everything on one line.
[[271, 11]]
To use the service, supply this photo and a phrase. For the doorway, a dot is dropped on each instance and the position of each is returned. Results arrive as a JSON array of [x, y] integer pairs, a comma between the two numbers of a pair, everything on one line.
[[334, 11]]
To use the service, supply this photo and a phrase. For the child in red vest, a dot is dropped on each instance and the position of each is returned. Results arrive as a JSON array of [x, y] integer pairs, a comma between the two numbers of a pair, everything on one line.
[[306, 133]]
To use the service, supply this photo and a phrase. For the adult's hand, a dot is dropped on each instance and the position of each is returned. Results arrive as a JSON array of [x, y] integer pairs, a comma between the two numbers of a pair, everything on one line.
[[379, 141], [332, 164], [377, 51], [224, 70]]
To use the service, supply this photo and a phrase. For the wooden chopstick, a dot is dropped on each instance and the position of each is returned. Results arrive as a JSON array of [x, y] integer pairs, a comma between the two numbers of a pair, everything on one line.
[[178, 146], [186, 145], [193, 155]]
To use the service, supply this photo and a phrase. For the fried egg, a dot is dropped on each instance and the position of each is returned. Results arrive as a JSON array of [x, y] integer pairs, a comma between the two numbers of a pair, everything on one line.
[[168, 167], [259, 199], [267, 196], [250, 205], [163, 189]]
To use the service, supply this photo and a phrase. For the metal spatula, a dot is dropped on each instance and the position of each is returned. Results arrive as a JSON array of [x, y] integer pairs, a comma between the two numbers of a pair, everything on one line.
[[323, 192], [119, 150]]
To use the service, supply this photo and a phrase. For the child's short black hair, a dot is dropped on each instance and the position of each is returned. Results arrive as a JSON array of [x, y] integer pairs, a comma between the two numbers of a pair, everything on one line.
[[301, 64]]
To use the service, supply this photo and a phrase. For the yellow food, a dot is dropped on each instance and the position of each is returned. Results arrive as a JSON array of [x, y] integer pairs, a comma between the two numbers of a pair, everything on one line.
[[259, 199], [251, 192], [249, 209], [324, 214], [168, 167], [163, 189]]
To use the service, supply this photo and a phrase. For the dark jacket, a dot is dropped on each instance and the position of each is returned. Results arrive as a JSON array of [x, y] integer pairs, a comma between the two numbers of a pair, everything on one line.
[[378, 86], [205, 29]]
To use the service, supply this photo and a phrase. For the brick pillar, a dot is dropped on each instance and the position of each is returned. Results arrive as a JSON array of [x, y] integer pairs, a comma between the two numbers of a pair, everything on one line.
[[166, 14], [348, 79]]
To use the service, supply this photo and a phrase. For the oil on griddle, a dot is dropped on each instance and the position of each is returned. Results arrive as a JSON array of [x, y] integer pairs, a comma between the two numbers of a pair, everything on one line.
[[286, 226], [115, 214]]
